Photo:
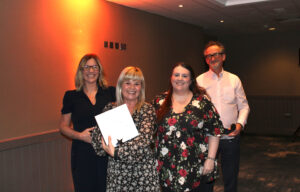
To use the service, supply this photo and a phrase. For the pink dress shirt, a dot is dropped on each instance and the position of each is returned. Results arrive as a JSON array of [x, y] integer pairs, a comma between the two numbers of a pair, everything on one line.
[[228, 96]]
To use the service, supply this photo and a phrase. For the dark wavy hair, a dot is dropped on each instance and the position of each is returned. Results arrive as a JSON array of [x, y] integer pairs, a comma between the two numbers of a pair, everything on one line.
[[166, 105]]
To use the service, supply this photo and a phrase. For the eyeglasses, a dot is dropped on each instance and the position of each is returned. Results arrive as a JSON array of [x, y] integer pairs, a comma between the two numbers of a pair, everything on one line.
[[89, 67], [213, 55]]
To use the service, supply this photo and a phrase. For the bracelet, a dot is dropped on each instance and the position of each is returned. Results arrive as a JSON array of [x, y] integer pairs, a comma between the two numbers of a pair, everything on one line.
[[210, 158]]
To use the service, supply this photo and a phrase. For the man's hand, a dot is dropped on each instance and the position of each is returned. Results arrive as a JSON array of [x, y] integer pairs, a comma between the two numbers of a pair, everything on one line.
[[237, 131]]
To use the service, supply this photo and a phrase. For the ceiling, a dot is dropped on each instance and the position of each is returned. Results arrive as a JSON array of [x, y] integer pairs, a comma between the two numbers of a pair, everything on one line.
[[248, 18]]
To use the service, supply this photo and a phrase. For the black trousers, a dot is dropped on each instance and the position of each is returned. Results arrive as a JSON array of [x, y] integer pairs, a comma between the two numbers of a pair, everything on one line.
[[229, 151], [88, 169]]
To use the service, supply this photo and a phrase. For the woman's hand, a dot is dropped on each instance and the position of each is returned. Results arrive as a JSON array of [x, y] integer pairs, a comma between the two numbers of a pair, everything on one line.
[[86, 135], [66, 128], [213, 144], [110, 149], [208, 166]]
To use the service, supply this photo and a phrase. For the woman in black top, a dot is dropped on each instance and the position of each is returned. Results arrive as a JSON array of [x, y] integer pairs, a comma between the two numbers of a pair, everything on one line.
[[78, 119]]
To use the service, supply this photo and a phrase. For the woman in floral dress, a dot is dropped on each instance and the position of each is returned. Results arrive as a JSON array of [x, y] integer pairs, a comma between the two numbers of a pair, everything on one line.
[[188, 134], [131, 165]]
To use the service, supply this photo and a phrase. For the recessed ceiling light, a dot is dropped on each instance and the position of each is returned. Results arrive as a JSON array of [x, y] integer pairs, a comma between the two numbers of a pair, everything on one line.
[[272, 29], [236, 2], [180, 5]]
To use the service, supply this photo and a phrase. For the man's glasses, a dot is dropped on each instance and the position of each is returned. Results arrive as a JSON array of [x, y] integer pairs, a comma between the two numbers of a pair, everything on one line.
[[209, 56], [89, 67]]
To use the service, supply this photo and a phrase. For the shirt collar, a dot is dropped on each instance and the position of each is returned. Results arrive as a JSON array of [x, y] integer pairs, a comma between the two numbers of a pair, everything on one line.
[[213, 75]]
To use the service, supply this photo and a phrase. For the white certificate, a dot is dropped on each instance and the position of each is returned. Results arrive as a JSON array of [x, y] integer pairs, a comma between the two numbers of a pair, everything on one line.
[[118, 124]]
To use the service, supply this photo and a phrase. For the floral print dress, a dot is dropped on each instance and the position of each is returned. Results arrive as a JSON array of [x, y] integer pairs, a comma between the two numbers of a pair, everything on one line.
[[133, 166], [182, 144]]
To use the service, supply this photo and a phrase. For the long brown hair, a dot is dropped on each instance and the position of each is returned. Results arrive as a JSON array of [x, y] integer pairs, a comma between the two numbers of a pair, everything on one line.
[[166, 105]]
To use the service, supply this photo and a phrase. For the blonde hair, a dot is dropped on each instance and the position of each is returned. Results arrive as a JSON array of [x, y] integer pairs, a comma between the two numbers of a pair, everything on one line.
[[79, 81], [131, 73]]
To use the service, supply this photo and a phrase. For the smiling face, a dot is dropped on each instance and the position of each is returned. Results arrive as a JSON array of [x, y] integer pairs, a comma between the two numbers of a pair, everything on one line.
[[214, 57], [90, 71], [180, 79], [131, 90]]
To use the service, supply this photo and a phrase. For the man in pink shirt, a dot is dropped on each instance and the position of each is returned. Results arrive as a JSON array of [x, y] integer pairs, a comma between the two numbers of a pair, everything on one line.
[[228, 96]]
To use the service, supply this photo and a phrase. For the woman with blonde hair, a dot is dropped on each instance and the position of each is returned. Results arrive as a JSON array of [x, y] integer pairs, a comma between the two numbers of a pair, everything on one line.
[[77, 121], [131, 165]]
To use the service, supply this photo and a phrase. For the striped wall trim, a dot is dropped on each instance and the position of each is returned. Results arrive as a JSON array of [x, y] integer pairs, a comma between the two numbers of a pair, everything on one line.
[[30, 139]]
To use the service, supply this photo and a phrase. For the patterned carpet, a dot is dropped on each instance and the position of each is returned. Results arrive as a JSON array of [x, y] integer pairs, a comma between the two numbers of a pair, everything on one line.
[[268, 164]]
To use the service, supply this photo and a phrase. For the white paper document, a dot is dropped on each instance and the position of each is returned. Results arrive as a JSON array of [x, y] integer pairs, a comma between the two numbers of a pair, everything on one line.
[[118, 124]]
